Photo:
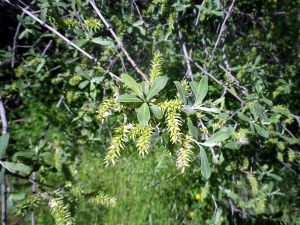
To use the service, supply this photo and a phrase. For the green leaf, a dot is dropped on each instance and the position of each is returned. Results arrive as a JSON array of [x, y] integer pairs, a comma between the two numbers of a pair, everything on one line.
[[181, 92], [83, 84], [194, 86], [213, 110], [243, 117], [80, 42], [132, 84], [232, 145], [205, 167], [145, 87], [16, 167], [3, 144], [156, 111], [143, 114], [274, 176], [261, 131], [201, 90], [157, 86], [193, 129], [102, 41], [128, 98], [2, 175], [217, 137]]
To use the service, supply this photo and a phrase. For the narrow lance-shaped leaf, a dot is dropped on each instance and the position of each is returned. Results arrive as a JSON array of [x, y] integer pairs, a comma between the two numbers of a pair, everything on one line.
[[261, 131], [3, 144], [194, 86], [157, 86], [218, 137], [143, 114], [181, 92], [156, 111], [132, 84], [128, 98], [205, 167], [16, 167], [193, 129], [201, 90]]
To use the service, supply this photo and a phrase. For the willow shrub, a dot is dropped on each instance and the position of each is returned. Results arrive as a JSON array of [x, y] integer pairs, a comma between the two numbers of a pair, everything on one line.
[[164, 113]]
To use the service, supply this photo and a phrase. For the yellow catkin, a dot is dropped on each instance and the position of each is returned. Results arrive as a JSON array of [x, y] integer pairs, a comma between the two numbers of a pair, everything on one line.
[[74, 80], [155, 70], [253, 183], [60, 212], [205, 191], [103, 200], [173, 120], [184, 155], [106, 108], [93, 24], [141, 135], [117, 144]]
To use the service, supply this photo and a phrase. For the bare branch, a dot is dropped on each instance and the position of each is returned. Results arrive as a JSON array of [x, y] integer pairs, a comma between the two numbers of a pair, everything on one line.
[[186, 58], [218, 82], [132, 62], [235, 81], [222, 29], [53, 30], [4, 183]]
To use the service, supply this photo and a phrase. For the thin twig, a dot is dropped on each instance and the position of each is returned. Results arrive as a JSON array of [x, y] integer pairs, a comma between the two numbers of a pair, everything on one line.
[[14, 48], [137, 9], [206, 138], [4, 183], [222, 29], [33, 189], [186, 58], [218, 82], [46, 48], [117, 39], [235, 80], [53, 30]]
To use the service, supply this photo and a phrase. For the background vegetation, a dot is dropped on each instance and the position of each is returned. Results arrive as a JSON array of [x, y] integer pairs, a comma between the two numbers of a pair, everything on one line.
[[149, 112]]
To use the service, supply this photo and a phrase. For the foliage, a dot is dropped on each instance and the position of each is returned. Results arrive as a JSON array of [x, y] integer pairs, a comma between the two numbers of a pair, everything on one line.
[[167, 112]]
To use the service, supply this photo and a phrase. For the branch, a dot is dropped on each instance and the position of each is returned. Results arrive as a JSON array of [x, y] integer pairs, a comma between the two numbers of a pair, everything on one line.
[[186, 58], [4, 183], [53, 30], [235, 80], [93, 4], [222, 29], [218, 82]]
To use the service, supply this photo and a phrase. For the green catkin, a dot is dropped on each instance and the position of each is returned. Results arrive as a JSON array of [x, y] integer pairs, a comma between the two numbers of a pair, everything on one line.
[[106, 108], [92, 24], [28, 204], [71, 23], [103, 200], [184, 155], [260, 204], [74, 80], [291, 155], [57, 158], [155, 70], [205, 191], [60, 212], [279, 156], [143, 142], [253, 183], [141, 135], [171, 22], [172, 108], [117, 144], [241, 136], [245, 164]]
